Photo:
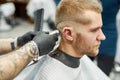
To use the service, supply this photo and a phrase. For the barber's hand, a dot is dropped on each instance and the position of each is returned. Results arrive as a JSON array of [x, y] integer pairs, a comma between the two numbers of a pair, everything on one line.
[[45, 42], [25, 38]]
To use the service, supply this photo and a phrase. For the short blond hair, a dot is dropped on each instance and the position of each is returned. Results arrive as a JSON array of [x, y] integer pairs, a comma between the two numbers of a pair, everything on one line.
[[70, 9]]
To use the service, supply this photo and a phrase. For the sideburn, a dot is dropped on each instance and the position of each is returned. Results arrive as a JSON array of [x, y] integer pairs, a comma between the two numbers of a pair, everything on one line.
[[77, 42]]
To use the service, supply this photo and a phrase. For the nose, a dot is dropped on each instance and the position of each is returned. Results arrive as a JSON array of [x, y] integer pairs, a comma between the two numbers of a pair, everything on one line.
[[101, 36]]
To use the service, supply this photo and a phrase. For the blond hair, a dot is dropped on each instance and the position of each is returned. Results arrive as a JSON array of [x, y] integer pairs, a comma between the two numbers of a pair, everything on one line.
[[68, 10]]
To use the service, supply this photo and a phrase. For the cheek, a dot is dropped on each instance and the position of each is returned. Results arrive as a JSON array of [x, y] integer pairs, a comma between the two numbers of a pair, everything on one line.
[[83, 43], [83, 40], [80, 42]]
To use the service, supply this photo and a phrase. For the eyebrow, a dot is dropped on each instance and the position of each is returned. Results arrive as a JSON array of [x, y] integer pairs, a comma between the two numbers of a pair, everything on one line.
[[93, 29]]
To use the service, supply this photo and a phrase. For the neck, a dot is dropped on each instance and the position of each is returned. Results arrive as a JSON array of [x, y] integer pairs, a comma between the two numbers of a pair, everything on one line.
[[70, 50]]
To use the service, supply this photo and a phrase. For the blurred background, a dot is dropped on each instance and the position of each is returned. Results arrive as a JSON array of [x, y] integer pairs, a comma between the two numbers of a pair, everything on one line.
[[17, 18]]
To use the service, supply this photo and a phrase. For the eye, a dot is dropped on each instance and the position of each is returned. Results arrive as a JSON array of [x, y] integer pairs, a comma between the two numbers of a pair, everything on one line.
[[94, 30]]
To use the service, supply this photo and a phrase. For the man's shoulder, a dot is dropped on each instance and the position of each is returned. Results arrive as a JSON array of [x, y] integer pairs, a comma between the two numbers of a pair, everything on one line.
[[91, 69]]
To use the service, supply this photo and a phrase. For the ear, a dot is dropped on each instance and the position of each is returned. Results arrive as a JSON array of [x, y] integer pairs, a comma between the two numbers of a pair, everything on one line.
[[68, 33]]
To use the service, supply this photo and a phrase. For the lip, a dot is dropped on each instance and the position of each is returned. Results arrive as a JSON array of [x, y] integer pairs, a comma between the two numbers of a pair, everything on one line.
[[98, 46]]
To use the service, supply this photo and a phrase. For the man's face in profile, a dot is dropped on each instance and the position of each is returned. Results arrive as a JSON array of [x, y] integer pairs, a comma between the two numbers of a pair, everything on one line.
[[88, 37]]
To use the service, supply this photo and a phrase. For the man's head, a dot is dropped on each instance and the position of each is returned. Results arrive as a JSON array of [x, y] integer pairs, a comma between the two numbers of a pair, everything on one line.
[[71, 9], [79, 23]]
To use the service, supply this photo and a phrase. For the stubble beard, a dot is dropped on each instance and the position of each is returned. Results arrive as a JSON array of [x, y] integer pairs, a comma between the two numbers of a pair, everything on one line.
[[83, 51]]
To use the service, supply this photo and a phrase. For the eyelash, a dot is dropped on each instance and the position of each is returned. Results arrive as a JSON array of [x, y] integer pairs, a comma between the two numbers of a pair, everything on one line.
[[95, 30]]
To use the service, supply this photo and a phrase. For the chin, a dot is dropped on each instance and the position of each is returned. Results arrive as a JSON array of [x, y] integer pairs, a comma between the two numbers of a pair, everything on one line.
[[94, 54]]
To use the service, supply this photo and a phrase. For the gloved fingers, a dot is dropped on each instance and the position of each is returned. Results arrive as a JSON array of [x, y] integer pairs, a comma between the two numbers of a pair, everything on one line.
[[46, 32], [31, 33], [54, 32], [39, 32], [55, 36], [25, 38]]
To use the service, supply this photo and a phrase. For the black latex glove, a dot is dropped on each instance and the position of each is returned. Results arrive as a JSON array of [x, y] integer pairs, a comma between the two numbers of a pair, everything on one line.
[[25, 38], [45, 42]]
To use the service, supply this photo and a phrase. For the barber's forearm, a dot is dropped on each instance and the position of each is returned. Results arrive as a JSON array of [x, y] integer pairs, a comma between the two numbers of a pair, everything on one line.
[[13, 63], [5, 46]]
